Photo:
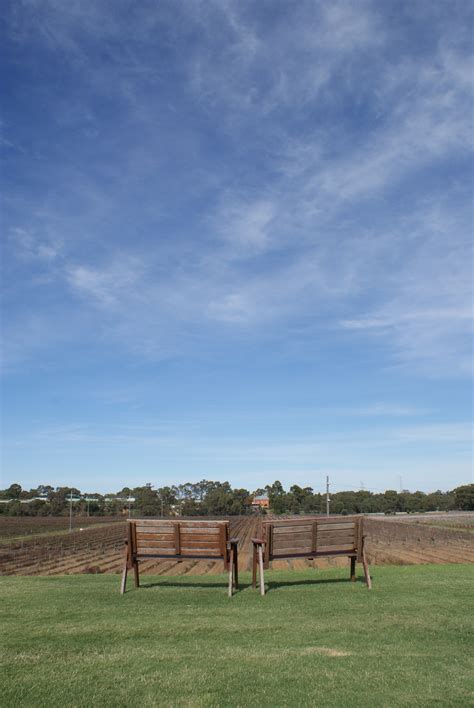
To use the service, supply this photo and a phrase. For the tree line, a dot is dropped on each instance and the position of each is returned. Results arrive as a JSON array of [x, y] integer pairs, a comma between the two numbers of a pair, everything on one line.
[[210, 498]]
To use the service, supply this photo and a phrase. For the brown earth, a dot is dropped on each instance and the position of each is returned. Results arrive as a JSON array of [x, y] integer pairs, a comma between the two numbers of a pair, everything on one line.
[[100, 549]]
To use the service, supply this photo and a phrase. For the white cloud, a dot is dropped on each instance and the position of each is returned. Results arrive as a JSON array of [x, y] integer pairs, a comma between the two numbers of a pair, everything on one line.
[[285, 235], [28, 246], [245, 227], [109, 285]]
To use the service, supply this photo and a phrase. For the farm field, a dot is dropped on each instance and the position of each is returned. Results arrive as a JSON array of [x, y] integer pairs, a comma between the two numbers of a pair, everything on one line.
[[312, 640], [19, 527], [44, 546]]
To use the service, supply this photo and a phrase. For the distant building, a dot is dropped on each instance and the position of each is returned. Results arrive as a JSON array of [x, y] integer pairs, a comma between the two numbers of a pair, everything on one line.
[[261, 502]]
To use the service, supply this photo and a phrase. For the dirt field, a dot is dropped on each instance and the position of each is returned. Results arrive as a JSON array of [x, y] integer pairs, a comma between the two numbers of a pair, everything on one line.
[[44, 547], [408, 540]]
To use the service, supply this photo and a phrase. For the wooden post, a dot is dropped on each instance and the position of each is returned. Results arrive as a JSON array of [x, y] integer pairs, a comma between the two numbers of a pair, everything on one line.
[[366, 568], [223, 541], [268, 544], [236, 568], [125, 571], [360, 541], [136, 574], [177, 539], [353, 569], [254, 566], [231, 570], [132, 551], [260, 562]]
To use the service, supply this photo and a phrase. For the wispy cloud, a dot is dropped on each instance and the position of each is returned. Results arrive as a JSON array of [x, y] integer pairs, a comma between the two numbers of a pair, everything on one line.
[[281, 196], [109, 286]]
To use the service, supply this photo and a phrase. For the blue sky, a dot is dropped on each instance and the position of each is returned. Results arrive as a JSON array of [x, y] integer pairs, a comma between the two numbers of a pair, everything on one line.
[[237, 243]]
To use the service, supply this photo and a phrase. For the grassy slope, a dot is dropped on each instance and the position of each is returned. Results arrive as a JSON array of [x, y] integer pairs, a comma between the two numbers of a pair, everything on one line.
[[180, 641]]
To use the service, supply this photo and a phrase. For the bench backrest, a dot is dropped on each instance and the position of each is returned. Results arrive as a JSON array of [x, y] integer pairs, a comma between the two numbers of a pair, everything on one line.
[[312, 536], [162, 538]]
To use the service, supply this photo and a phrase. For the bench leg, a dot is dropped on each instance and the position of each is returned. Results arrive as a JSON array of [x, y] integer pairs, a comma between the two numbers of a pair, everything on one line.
[[231, 571], [236, 569], [353, 569], [260, 563], [125, 571], [124, 579], [254, 566], [366, 570], [136, 574]]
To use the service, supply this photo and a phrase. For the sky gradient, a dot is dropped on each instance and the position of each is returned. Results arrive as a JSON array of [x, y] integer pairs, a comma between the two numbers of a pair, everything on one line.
[[237, 243]]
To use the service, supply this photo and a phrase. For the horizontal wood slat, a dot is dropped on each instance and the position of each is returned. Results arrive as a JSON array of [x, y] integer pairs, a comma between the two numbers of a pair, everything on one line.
[[344, 535], [158, 542], [200, 544], [292, 543], [294, 534], [285, 552], [309, 556], [287, 528], [210, 537], [349, 531], [202, 524], [335, 527], [297, 521], [335, 547], [157, 523], [144, 536], [209, 552], [153, 550], [151, 522], [147, 530]]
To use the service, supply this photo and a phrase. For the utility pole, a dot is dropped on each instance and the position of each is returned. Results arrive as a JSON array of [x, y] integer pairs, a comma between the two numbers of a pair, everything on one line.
[[70, 512], [129, 505], [161, 507], [327, 496]]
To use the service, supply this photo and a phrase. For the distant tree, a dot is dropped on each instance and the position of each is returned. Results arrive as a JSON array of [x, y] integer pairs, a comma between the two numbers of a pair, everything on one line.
[[464, 497], [125, 492], [241, 503], [190, 507], [14, 508], [390, 501], [218, 500], [147, 502], [44, 490], [14, 491], [167, 498], [275, 489]]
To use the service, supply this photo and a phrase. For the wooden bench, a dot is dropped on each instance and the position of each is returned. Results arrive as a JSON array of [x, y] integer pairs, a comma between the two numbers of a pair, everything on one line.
[[310, 538], [177, 540]]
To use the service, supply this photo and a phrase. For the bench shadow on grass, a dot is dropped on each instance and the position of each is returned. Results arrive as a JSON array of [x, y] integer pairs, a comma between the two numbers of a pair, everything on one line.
[[269, 584], [275, 585], [174, 584]]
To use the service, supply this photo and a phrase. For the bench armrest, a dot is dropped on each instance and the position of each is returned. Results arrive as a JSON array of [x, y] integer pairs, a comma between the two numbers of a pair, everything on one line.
[[234, 541], [258, 541]]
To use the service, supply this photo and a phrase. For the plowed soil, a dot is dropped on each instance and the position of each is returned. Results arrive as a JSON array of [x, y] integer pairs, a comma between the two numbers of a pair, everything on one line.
[[99, 549]]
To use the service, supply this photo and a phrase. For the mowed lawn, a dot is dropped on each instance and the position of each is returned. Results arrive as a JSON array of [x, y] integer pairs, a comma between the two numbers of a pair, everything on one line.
[[314, 639]]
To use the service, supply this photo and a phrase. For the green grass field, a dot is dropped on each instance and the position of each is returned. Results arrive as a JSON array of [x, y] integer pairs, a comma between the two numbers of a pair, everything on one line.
[[315, 639]]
